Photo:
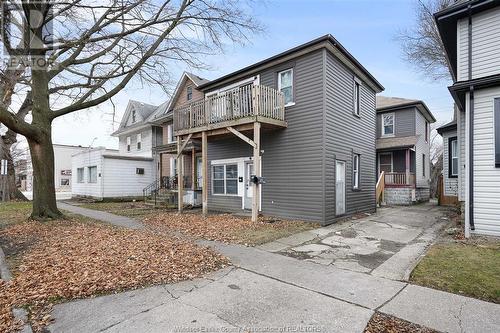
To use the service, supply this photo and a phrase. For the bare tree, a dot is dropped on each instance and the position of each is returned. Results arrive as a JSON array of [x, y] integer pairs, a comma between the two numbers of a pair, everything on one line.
[[422, 46], [73, 55]]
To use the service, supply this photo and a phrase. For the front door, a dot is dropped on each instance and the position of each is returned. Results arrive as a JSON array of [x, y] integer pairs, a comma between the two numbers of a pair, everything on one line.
[[340, 188], [248, 185]]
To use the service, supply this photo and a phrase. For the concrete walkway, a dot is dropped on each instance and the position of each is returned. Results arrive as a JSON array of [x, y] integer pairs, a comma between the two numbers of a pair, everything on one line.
[[266, 291], [121, 221]]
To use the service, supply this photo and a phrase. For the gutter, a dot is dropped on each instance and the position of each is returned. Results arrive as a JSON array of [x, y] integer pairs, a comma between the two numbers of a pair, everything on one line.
[[471, 127]]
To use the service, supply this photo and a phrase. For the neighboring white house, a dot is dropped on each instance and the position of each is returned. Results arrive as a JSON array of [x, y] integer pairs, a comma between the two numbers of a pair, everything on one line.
[[62, 167], [470, 31], [104, 173]]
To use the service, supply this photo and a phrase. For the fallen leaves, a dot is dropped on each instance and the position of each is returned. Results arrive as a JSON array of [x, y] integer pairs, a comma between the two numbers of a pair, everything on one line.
[[225, 228], [382, 323], [72, 259]]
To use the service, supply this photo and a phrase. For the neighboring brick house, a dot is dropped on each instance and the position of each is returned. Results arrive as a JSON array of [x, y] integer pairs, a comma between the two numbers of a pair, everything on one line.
[[403, 149], [305, 120]]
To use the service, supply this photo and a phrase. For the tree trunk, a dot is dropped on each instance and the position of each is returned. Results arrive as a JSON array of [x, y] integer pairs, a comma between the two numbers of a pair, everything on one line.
[[8, 188], [42, 158]]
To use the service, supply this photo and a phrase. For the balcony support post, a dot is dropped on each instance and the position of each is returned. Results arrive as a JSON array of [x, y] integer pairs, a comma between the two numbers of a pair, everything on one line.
[[180, 175], [204, 173], [408, 167], [193, 169], [256, 167]]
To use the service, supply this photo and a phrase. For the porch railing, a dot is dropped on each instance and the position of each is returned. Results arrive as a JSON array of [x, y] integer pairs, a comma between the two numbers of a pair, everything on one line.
[[399, 179], [246, 101]]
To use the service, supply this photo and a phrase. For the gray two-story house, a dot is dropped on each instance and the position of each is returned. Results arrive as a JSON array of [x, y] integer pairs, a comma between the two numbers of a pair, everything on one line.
[[291, 136], [403, 149]]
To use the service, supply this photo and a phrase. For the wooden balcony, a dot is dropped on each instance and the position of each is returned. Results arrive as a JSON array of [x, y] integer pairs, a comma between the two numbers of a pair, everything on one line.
[[241, 106], [399, 179]]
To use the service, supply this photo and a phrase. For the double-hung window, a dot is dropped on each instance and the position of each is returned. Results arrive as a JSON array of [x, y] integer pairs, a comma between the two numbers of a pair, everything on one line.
[[285, 85], [189, 93], [426, 131], [93, 174], [356, 98], [225, 179], [128, 143], [424, 164], [79, 175], [388, 124], [170, 134], [355, 171], [139, 141], [453, 157]]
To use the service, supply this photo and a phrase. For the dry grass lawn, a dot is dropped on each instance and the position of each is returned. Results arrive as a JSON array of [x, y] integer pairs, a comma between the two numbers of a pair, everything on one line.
[[226, 227], [470, 268], [137, 209], [67, 259]]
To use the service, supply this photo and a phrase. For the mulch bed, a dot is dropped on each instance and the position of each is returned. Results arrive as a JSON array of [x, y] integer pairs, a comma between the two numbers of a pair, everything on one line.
[[225, 228], [382, 323], [73, 259]]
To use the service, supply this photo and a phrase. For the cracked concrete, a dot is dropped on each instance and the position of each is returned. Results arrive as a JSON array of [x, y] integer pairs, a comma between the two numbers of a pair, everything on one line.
[[385, 244]]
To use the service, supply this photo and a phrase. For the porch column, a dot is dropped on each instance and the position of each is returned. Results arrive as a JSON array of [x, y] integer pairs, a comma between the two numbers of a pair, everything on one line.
[[193, 169], [204, 173], [408, 166], [180, 175], [256, 167]]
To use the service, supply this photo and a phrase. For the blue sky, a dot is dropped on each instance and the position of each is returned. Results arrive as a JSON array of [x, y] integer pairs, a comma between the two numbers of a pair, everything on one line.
[[366, 28]]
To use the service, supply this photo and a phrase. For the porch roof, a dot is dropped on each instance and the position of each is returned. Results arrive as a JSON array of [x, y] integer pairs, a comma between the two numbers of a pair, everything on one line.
[[396, 142]]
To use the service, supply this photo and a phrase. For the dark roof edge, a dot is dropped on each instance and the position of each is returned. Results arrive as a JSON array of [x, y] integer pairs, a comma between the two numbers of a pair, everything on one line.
[[447, 127], [458, 89], [406, 105], [321, 39]]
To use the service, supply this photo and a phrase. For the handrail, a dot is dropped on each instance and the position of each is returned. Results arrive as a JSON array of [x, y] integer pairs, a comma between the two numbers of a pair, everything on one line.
[[399, 178], [245, 101], [380, 188]]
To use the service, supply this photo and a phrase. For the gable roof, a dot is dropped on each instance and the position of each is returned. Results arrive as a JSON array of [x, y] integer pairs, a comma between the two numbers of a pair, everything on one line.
[[386, 104], [327, 41], [144, 111]]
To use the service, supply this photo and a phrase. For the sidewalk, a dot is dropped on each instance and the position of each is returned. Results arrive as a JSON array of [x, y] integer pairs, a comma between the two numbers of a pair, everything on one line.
[[120, 221], [269, 290]]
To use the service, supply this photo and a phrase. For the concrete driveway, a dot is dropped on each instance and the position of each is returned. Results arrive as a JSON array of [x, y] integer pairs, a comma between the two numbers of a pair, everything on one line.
[[385, 244], [278, 291]]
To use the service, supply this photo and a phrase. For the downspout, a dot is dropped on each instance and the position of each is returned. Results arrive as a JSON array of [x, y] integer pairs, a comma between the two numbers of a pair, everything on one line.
[[471, 128]]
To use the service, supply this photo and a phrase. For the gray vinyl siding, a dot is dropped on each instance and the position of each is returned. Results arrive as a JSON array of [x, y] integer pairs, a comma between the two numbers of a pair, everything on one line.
[[485, 45], [219, 149], [404, 124], [298, 162], [347, 134]]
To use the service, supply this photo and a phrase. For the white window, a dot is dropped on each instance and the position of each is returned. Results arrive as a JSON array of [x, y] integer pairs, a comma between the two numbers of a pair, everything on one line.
[[189, 93], [355, 171], [356, 98], [225, 179], [285, 85], [133, 116], [139, 141], [170, 134], [173, 166], [387, 124], [93, 174], [79, 175], [128, 143], [453, 157]]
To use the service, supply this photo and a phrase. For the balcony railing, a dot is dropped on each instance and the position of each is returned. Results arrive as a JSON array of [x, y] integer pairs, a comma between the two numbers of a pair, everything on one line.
[[399, 179], [240, 103]]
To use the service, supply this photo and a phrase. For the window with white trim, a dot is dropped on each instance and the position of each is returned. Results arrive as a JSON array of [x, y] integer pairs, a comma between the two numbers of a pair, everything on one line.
[[80, 175], [356, 98], [189, 93], [225, 179], [424, 164], [453, 157], [387, 124], [355, 171], [285, 85], [139, 141], [128, 143], [93, 174], [170, 132]]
